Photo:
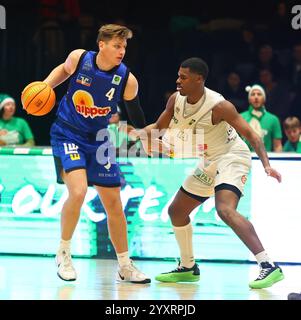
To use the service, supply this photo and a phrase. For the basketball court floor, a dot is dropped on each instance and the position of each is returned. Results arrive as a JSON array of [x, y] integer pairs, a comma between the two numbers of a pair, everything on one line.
[[34, 278]]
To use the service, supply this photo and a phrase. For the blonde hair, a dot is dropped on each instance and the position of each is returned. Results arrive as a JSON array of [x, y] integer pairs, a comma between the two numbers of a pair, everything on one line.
[[109, 31], [291, 123]]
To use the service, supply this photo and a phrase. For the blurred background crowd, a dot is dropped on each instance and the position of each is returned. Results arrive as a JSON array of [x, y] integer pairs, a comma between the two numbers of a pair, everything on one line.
[[244, 43]]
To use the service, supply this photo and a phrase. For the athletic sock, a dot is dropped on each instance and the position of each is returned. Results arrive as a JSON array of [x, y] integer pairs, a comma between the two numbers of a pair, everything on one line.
[[65, 245], [263, 257], [123, 258], [184, 239]]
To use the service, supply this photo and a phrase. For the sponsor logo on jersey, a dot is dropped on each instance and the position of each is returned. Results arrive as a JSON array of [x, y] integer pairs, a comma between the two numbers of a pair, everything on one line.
[[202, 147], [108, 165], [116, 79], [87, 65], [84, 105], [71, 149], [93, 112], [183, 135], [231, 134], [84, 80], [244, 179], [229, 130], [175, 120], [203, 177]]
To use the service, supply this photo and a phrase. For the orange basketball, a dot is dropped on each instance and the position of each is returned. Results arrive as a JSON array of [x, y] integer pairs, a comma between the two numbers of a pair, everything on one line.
[[38, 98]]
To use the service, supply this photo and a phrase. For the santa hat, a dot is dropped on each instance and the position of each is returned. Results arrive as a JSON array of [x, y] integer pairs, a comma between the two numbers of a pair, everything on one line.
[[256, 87], [4, 99]]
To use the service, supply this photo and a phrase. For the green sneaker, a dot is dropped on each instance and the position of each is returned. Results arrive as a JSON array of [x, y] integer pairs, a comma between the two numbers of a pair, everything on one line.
[[181, 274], [267, 277]]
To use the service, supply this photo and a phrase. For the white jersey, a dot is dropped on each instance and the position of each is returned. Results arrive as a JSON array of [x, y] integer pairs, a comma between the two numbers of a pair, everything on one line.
[[192, 134]]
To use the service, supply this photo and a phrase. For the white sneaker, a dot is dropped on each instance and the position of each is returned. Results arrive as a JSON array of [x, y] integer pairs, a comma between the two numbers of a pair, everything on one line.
[[130, 273], [65, 270]]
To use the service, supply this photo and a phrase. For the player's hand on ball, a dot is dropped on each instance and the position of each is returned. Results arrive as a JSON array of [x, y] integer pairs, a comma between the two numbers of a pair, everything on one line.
[[273, 173]]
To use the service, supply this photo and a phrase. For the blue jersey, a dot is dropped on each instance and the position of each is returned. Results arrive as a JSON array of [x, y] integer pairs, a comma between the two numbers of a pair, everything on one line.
[[93, 94]]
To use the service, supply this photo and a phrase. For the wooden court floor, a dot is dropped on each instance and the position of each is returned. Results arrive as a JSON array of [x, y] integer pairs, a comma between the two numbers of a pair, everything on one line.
[[34, 278]]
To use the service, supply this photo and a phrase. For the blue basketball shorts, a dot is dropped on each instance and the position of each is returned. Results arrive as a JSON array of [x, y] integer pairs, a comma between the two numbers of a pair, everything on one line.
[[73, 150]]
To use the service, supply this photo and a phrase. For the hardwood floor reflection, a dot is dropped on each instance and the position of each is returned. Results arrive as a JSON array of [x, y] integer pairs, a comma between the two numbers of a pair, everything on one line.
[[34, 278]]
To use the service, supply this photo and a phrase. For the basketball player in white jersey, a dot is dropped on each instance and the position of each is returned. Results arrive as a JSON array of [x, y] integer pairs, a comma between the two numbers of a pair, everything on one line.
[[226, 161]]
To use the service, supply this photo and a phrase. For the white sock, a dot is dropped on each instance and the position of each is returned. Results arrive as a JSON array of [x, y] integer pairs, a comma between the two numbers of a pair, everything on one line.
[[263, 257], [184, 239], [65, 245], [123, 258]]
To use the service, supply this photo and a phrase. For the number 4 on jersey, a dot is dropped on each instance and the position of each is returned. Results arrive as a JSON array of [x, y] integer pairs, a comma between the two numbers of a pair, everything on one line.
[[110, 94]]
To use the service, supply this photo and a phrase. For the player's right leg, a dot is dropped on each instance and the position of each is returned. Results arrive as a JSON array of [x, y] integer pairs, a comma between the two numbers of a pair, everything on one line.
[[76, 183], [70, 164], [179, 210]]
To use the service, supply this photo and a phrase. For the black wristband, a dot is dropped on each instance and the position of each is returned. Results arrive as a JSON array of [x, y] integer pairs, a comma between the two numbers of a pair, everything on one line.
[[135, 112]]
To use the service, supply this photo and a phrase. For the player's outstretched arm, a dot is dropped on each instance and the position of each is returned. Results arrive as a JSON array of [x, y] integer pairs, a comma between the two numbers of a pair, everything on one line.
[[166, 116], [154, 130], [227, 112], [162, 122], [62, 72]]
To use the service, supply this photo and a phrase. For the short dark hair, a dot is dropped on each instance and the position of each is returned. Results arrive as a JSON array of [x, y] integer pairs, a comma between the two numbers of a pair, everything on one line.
[[196, 65], [109, 31], [1, 113]]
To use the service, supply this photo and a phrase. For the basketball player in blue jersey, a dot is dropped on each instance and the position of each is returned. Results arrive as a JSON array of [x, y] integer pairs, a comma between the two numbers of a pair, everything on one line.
[[98, 81]]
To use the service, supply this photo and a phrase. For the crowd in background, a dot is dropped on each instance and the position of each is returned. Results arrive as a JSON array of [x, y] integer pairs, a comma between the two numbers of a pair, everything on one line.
[[258, 46]]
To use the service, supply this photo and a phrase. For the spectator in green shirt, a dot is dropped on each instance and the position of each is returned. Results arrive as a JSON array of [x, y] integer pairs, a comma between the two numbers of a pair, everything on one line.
[[13, 130], [266, 124], [292, 130]]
